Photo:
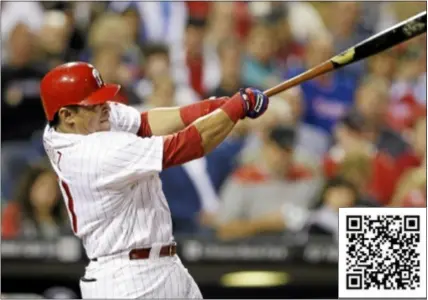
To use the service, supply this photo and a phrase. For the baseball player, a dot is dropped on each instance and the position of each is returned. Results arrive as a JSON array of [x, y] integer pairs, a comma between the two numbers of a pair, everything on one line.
[[108, 156]]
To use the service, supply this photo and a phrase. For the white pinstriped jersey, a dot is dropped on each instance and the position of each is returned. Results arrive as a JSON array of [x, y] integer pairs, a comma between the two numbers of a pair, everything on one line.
[[110, 184]]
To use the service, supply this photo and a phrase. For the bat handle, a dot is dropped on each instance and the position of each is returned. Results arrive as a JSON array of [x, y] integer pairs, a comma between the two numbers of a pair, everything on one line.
[[327, 66]]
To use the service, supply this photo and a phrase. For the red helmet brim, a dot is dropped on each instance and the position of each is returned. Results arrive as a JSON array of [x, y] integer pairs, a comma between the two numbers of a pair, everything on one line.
[[107, 93]]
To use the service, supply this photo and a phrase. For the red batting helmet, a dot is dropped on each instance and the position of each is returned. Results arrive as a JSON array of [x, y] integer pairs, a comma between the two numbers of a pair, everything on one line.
[[75, 83]]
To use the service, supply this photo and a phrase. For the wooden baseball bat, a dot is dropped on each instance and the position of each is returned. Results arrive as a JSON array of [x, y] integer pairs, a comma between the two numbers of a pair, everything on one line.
[[388, 38]]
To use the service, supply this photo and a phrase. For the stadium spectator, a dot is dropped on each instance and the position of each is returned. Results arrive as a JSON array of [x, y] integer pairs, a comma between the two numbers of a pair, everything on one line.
[[321, 219], [411, 189], [108, 61], [338, 192], [259, 67], [305, 21], [375, 171], [275, 178], [110, 30], [372, 103], [327, 98], [221, 23], [30, 14], [157, 63], [22, 112], [288, 49], [159, 22], [54, 39], [229, 52], [310, 139], [196, 63], [408, 91], [383, 65], [417, 152], [366, 175], [37, 210]]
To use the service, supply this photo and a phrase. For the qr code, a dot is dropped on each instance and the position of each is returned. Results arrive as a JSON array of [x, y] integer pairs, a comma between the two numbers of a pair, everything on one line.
[[382, 253]]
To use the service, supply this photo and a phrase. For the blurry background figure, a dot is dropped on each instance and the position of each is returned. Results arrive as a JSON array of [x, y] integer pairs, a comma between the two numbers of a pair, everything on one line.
[[411, 189], [337, 193], [416, 154], [22, 112], [109, 63], [111, 30], [259, 68], [372, 103], [276, 178], [29, 13], [158, 22], [310, 139], [195, 63], [326, 98], [346, 32], [288, 48], [221, 23], [157, 64], [37, 210], [375, 170], [229, 53], [54, 37]]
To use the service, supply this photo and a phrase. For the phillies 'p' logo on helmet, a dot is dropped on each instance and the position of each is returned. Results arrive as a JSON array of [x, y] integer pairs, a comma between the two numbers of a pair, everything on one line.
[[97, 77], [74, 83]]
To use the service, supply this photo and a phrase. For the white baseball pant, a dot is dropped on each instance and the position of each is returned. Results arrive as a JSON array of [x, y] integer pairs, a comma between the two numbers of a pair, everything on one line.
[[155, 277]]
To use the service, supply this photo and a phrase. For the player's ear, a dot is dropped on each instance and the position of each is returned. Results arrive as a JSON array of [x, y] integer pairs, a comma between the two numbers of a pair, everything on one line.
[[67, 115]]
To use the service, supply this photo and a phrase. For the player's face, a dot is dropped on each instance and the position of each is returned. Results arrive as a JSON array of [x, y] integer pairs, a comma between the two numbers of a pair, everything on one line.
[[90, 119]]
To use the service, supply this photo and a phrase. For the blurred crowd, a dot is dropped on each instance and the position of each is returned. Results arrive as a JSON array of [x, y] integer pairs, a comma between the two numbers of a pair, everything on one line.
[[355, 137]]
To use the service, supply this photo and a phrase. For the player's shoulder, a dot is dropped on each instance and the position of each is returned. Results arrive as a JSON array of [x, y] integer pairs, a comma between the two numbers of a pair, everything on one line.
[[120, 141], [117, 107], [111, 138]]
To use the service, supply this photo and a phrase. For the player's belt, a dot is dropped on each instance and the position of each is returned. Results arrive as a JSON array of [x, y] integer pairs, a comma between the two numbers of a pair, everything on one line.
[[144, 253]]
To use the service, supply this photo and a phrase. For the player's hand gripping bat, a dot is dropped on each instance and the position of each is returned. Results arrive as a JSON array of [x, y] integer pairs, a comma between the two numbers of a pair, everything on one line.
[[388, 38]]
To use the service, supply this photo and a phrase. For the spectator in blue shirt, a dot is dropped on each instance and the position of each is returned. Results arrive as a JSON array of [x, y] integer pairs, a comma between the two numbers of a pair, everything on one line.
[[326, 98]]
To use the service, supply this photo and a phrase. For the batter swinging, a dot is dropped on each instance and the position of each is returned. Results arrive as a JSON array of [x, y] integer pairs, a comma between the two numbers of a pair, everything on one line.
[[107, 157]]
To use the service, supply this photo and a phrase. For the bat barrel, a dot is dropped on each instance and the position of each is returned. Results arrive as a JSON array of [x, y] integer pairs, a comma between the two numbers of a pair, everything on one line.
[[386, 39]]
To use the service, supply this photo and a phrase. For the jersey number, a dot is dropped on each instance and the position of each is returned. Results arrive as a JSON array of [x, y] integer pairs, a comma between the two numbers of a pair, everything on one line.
[[70, 201]]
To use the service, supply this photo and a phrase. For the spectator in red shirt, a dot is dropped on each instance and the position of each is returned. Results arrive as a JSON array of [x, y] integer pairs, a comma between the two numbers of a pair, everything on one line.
[[417, 152], [288, 49], [375, 171], [411, 189], [195, 63], [371, 102]]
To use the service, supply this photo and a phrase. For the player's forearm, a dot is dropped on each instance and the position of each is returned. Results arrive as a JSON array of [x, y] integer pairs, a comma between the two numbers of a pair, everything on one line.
[[214, 129], [164, 121], [202, 136]]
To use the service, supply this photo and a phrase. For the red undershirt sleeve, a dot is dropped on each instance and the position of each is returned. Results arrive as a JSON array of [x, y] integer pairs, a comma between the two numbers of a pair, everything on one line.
[[144, 130], [192, 112], [182, 147], [188, 114]]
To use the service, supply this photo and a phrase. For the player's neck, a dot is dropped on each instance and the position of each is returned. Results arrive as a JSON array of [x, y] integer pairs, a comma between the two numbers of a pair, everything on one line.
[[68, 129]]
